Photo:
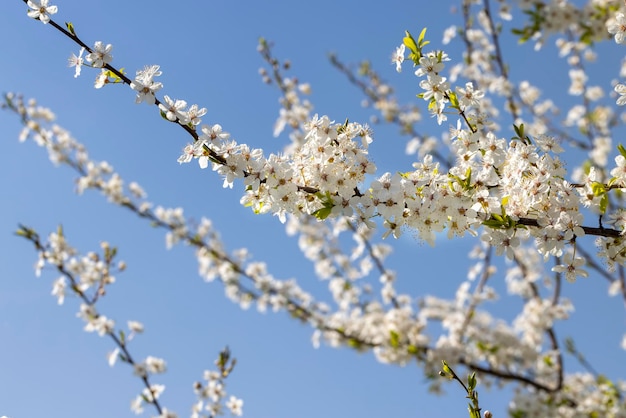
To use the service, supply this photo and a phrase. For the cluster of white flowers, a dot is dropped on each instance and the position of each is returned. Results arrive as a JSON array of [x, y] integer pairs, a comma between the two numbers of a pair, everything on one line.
[[515, 189], [323, 175], [211, 397], [596, 396], [87, 277]]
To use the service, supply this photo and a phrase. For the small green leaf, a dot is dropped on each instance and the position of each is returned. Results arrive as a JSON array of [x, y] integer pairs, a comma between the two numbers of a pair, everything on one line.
[[343, 127], [394, 339], [409, 42], [519, 130], [446, 369], [454, 101], [471, 382], [473, 413], [322, 213], [70, 28], [604, 203], [355, 343], [468, 178], [25, 231], [420, 39], [599, 189]]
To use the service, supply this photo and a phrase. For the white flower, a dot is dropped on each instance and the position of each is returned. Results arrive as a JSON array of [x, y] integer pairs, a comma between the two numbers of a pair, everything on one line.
[[140, 370], [398, 57], [187, 155], [174, 110], [41, 10], [570, 267], [213, 133], [155, 365], [135, 327], [145, 86], [101, 324], [194, 114], [617, 28], [137, 405], [621, 90], [235, 406], [468, 96], [430, 66], [101, 55], [113, 356], [548, 143], [76, 61], [58, 289], [435, 87], [101, 79]]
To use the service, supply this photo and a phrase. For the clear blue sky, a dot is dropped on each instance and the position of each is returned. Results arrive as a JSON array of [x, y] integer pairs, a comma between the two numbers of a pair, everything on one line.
[[207, 51]]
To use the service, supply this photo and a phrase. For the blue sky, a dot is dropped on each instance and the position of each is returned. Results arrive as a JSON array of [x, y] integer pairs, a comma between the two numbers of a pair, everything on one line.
[[207, 52]]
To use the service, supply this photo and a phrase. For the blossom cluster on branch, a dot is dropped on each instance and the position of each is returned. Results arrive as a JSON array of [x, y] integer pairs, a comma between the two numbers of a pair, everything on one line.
[[514, 192], [87, 277], [516, 187]]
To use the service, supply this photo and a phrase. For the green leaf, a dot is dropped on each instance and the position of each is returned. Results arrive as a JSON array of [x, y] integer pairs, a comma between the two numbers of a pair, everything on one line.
[[394, 339], [489, 348], [409, 42], [473, 413], [604, 203], [223, 358], [468, 178], [355, 343], [454, 101], [414, 47], [518, 413], [70, 28], [327, 202], [420, 39], [26, 232], [446, 369], [598, 188], [471, 382], [621, 150], [322, 213], [519, 130], [493, 224]]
